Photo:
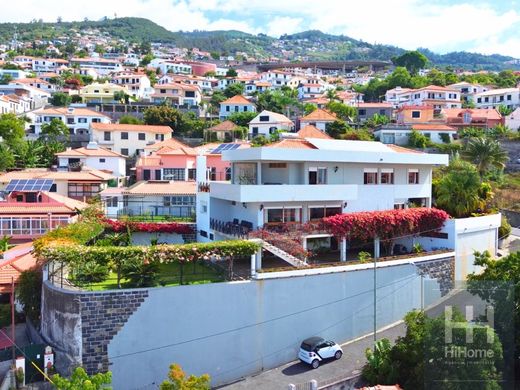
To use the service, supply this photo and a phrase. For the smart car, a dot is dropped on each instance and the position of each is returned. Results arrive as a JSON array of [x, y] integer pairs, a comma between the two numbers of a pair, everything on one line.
[[314, 350]]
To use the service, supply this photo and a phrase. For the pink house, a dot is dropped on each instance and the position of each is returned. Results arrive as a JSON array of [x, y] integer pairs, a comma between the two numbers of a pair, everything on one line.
[[172, 160]]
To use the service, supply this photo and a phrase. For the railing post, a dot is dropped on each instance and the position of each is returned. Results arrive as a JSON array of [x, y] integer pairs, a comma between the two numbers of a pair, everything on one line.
[[314, 384], [258, 256]]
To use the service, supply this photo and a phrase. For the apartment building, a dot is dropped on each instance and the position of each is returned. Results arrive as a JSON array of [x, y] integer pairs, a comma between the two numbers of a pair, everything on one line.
[[177, 94], [301, 180], [78, 119], [103, 66], [44, 65], [102, 92], [509, 97], [138, 84]]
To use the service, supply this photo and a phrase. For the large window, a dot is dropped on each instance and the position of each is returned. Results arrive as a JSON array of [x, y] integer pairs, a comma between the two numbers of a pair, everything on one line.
[[244, 173], [413, 176], [141, 136], [416, 114], [124, 135], [80, 190], [107, 136], [370, 176], [15, 226], [319, 212], [283, 215], [176, 174], [387, 176], [317, 175], [179, 200]]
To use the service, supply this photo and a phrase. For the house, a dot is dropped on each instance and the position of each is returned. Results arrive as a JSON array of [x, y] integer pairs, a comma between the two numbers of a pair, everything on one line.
[[27, 213], [174, 161], [468, 90], [234, 104], [415, 114], [13, 73], [94, 157], [398, 134], [432, 95], [77, 118], [226, 130], [319, 118], [468, 117], [513, 120], [35, 83], [14, 261], [30, 98], [77, 184], [103, 66], [397, 96], [138, 84], [310, 131], [268, 122], [102, 92], [300, 180], [178, 94], [509, 97], [309, 90], [126, 139], [151, 198], [43, 65], [167, 66], [368, 110]]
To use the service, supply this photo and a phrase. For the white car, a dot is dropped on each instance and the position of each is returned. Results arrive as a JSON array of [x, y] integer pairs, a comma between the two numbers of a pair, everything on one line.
[[316, 349]]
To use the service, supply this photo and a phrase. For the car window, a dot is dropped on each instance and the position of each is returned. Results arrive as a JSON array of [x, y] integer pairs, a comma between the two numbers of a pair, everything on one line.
[[322, 345], [330, 343], [306, 347]]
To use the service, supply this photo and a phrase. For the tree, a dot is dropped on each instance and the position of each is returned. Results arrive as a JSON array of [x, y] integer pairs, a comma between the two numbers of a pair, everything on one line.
[[458, 190], [177, 380], [81, 380], [242, 118], [11, 128], [485, 153], [342, 111], [60, 99], [231, 73], [6, 157], [130, 120], [418, 140], [336, 128], [436, 77], [380, 368], [234, 89], [28, 292], [6, 79], [163, 115], [146, 59], [504, 110], [506, 79], [32, 156], [121, 97], [413, 61], [55, 130], [400, 77]]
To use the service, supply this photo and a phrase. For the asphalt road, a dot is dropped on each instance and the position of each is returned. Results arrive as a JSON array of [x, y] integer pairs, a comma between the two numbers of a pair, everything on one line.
[[353, 359]]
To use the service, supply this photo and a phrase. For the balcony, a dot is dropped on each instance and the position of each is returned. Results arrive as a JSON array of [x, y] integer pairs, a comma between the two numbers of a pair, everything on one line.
[[283, 192]]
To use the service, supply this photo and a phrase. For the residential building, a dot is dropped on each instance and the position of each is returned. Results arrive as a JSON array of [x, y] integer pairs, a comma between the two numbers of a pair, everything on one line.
[[138, 84], [398, 96], [513, 120], [35, 83], [178, 94], [225, 131], [14, 261], [468, 117], [30, 98], [309, 90], [310, 131], [234, 104], [128, 140], [44, 65], [167, 66], [77, 118], [94, 157], [416, 114], [300, 180], [368, 110], [318, 118], [27, 214], [103, 66], [151, 198], [13, 73], [76, 184], [468, 90], [432, 95], [509, 97], [268, 122], [398, 134], [102, 92]]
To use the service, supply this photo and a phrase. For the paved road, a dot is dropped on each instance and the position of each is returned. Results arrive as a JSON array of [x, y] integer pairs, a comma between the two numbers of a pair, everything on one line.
[[352, 360]]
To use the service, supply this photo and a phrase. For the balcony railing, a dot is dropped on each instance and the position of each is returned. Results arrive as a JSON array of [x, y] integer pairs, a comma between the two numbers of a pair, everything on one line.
[[235, 228]]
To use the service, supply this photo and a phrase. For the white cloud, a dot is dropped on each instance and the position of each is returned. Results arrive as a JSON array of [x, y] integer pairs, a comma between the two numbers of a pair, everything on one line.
[[410, 24]]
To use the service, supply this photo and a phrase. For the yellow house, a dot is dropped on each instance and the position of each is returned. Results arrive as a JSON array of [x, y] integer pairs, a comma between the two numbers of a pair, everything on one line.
[[101, 93]]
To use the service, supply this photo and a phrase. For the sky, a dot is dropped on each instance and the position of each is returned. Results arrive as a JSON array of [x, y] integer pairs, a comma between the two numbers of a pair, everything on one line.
[[483, 26]]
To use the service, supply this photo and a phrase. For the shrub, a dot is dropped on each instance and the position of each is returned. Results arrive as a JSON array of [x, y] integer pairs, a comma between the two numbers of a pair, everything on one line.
[[417, 248], [445, 137], [505, 228], [90, 272], [364, 257], [259, 140], [418, 140], [141, 274], [29, 293]]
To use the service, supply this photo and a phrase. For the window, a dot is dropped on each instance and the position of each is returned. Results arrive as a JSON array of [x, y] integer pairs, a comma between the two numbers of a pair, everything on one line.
[[163, 91], [479, 100], [228, 108], [192, 173], [176, 174], [370, 176], [416, 114], [387, 176], [141, 136], [362, 112], [236, 108], [317, 175], [96, 120], [283, 215], [112, 201], [146, 174], [159, 137], [399, 206], [466, 117], [124, 151], [277, 165], [318, 212], [179, 200], [102, 160], [80, 190], [157, 174], [255, 131], [124, 135], [106, 136], [53, 188], [508, 97], [264, 118], [382, 112], [413, 176], [70, 121]]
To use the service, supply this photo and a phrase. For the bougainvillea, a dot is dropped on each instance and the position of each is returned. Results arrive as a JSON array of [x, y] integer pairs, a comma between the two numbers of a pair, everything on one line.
[[386, 224], [148, 227], [288, 241]]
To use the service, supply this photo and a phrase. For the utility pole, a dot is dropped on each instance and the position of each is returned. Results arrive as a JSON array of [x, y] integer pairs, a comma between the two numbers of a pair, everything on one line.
[[12, 321]]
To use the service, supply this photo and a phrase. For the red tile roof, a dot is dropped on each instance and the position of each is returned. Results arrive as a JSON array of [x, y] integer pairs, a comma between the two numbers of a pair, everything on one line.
[[85, 152], [432, 127], [224, 126], [310, 131], [126, 127], [319, 115], [237, 99], [292, 144]]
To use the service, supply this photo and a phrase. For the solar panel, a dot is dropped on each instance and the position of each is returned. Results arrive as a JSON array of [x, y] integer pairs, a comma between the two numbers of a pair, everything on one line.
[[222, 147], [29, 185]]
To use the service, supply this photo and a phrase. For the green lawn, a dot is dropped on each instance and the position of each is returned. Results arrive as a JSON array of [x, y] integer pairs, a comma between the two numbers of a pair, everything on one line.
[[169, 275]]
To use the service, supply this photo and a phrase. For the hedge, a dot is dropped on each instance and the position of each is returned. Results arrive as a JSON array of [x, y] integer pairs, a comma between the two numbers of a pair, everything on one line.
[[149, 227]]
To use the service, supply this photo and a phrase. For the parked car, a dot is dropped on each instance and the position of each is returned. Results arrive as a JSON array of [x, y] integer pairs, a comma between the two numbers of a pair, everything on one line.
[[314, 350]]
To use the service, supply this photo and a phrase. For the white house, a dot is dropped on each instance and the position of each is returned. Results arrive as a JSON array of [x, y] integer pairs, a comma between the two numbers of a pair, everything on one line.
[[307, 179], [234, 104], [77, 119], [399, 134], [267, 122], [13, 73], [468, 90], [509, 97], [44, 65], [318, 118], [168, 66], [94, 157], [138, 84], [103, 66], [513, 120], [432, 95]]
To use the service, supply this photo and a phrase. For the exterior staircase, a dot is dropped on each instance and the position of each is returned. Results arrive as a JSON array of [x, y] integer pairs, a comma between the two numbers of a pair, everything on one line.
[[294, 261]]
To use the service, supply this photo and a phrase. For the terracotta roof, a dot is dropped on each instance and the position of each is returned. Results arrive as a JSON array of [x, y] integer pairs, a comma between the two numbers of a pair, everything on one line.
[[310, 131], [183, 86], [170, 143], [224, 126], [237, 99], [400, 149], [11, 269], [432, 127], [125, 127], [319, 114], [488, 113], [415, 107], [41, 173], [78, 111], [162, 188], [54, 203], [375, 105], [436, 88], [292, 144], [85, 152]]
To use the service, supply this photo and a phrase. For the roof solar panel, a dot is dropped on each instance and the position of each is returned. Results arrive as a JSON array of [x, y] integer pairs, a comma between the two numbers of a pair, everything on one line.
[[29, 185], [222, 147]]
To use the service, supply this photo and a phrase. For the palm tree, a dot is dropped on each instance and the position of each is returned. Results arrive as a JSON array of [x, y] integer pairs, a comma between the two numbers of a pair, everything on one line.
[[331, 94], [485, 153]]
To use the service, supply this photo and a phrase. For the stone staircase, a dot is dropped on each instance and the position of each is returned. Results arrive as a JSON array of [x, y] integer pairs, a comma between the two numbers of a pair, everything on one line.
[[294, 261]]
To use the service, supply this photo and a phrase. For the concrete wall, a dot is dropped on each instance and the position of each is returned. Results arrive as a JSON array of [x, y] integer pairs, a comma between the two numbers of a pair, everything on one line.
[[234, 329]]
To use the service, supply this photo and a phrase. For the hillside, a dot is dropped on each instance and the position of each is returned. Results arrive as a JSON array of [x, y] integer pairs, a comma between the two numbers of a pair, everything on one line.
[[306, 45]]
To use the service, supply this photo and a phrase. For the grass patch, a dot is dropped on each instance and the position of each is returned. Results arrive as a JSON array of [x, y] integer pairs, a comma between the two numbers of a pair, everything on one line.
[[169, 275]]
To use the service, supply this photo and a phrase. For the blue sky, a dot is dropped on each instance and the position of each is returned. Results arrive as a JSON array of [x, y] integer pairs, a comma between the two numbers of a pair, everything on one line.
[[441, 25]]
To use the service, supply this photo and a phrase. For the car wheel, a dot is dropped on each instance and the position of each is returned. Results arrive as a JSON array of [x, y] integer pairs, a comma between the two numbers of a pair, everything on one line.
[[315, 363], [338, 355]]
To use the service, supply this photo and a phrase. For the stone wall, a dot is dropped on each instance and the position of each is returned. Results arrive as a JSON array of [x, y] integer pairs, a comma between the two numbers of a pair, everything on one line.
[[442, 270]]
